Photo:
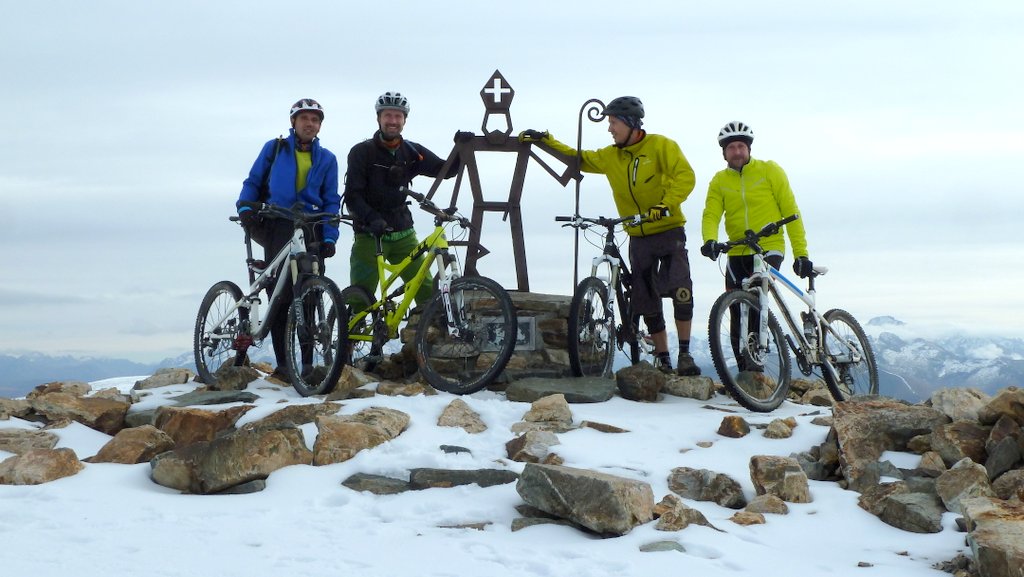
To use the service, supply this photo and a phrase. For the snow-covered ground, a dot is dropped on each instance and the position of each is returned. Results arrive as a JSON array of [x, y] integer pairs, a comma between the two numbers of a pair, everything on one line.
[[112, 520]]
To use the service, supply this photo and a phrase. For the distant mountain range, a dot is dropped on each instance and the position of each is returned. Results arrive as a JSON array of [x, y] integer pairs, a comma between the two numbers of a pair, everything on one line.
[[911, 365]]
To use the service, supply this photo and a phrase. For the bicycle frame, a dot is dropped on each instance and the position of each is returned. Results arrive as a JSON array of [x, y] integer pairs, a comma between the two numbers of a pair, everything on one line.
[[766, 281], [436, 245]]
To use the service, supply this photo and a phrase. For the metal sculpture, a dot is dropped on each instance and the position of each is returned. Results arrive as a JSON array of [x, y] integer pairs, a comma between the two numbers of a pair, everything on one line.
[[497, 96]]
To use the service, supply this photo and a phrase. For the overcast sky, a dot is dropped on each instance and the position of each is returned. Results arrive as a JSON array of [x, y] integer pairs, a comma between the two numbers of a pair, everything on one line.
[[128, 127]]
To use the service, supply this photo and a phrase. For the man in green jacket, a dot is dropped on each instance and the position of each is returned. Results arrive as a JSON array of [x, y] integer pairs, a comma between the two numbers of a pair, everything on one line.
[[750, 193], [648, 175]]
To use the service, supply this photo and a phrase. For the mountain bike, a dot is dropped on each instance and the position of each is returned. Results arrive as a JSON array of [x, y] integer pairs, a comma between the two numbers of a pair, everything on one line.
[[466, 332], [751, 352], [230, 321], [594, 333]]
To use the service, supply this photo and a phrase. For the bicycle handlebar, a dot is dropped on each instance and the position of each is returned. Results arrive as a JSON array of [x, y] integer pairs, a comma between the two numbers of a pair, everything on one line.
[[750, 237], [585, 222], [293, 214], [443, 214]]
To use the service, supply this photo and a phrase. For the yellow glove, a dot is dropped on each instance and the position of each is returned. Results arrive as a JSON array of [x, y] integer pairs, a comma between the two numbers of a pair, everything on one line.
[[657, 212], [532, 136]]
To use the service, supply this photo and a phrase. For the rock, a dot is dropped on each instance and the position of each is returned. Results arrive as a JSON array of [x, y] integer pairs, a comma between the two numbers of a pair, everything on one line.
[[351, 379], [778, 429], [605, 504], [674, 515], [38, 466], [531, 446], [458, 414], [700, 388], [706, 485], [575, 390], [996, 536], [14, 408], [779, 476], [640, 382], [958, 440], [232, 378], [135, 445], [73, 388], [104, 415], [1008, 402], [747, 518], [551, 409], [395, 389], [213, 398], [426, 478], [914, 512], [734, 427], [964, 479], [959, 404], [340, 437], [767, 504], [236, 458], [188, 425], [1009, 484], [165, 377], [19, 441], [602, 427], [376, 484], [298, 414]]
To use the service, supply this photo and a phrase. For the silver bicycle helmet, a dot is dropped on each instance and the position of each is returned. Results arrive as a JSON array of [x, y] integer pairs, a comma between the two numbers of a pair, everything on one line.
[[392, 101], [734, 131], [307, 104]]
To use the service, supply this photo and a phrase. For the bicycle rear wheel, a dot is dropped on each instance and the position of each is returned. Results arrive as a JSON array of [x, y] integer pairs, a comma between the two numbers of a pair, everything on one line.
[[856, 377], [217, 325], [464, 352], [591, 330], [757, 378], [359, 350], [316, 337]]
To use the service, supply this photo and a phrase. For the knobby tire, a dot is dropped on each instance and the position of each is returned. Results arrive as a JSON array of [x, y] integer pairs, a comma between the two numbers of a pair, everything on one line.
[[591, 330], [316, 337], [485, 330], [213, 344], [854, 378]]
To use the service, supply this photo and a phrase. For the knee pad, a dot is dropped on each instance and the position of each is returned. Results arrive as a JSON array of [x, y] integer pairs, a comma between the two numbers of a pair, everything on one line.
[[655, 323], [683, 311]]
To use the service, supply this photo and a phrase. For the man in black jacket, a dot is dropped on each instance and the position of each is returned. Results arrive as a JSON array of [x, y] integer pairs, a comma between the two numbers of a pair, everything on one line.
[[379, 172]]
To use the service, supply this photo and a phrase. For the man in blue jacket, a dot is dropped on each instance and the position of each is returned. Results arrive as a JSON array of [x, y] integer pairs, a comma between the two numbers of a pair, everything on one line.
[[287, 171]]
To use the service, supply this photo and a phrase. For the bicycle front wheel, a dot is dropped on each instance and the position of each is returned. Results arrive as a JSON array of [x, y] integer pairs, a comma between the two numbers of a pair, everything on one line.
[[360, 329], [316, 337], [217, 326], [591, 330], [850, 355], [756, 376], [466, 336]]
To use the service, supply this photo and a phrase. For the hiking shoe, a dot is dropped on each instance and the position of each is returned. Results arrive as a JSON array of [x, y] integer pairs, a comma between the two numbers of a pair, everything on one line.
[[664, 364], [685, 366]]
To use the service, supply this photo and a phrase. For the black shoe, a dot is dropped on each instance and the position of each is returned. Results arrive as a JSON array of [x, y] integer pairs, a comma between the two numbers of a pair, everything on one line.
[[685, 367], [281, 374], [664, 363]]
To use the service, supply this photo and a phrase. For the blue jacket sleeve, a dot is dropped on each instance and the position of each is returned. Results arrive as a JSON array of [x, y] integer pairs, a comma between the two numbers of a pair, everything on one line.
[[257, 175]]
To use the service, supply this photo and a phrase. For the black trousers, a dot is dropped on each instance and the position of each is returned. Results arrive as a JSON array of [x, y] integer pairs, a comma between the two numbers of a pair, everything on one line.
[[279, 234]]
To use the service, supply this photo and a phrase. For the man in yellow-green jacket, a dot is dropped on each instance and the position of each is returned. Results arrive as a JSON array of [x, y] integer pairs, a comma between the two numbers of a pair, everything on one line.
[[648, 175], [750, 193]]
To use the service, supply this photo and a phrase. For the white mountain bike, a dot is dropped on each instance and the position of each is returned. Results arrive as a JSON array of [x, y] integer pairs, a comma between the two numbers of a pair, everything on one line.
[[749, 347], [229, 322]]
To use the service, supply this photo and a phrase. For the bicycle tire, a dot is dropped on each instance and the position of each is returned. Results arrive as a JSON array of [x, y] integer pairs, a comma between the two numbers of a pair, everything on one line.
[[757, 380], [591, 330], [629, 326], [486, 329], [358, 299], [316, 337], [214, 346], [859, 378]]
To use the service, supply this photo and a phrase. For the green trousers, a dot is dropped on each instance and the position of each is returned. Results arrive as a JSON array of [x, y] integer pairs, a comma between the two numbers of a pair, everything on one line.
[[363, 263]]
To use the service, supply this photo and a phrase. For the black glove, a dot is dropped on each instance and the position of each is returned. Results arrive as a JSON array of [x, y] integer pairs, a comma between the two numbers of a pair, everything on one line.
[[377, 226], [327, 249], [461, 136], [657, 212], [248, 218], [803, 267], [710, 249], [533, 136]]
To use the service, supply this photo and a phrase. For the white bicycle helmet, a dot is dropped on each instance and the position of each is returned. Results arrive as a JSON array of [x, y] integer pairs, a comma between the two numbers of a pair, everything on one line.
[[307, 104], [734, 131], [392, 101]]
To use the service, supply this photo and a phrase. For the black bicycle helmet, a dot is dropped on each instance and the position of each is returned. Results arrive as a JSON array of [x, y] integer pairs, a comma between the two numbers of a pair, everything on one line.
[[628, 106]]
